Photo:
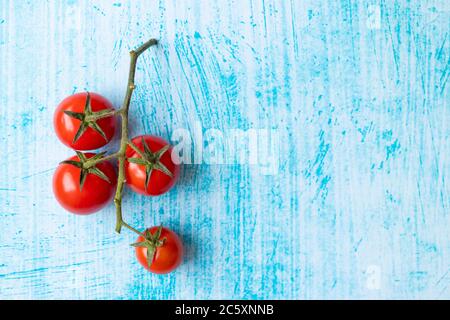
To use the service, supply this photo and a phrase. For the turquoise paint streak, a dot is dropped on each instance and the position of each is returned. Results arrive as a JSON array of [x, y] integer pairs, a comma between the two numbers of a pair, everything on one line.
[[359, 207]]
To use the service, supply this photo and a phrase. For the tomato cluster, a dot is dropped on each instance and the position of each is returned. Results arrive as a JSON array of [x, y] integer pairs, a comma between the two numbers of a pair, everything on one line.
[[85, 183]]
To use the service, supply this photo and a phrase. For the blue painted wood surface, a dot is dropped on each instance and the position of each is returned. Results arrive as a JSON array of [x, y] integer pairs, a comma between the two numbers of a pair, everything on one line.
[[357, 91]]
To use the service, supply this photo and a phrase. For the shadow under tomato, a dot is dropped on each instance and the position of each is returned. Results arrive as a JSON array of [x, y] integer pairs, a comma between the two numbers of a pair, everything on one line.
[[190, 244]]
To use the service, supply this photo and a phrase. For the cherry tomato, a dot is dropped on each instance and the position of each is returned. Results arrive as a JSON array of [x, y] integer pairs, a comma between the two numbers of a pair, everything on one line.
[[97, 188], [154, 174], [92, 134], [166, 247]]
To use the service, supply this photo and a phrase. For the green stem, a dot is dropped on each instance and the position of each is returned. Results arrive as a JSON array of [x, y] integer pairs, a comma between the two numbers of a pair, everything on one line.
[[91, 163], [126, 225], [123, 112], [95, 117], [135, 148]]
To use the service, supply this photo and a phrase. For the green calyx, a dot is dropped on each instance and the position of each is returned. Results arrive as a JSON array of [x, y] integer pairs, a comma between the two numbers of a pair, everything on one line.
[[87, 170], [89, 119], [151, 242], [151, 160]]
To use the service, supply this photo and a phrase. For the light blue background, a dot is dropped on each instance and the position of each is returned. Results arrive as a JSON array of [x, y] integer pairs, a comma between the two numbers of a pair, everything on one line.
[[360, 205]]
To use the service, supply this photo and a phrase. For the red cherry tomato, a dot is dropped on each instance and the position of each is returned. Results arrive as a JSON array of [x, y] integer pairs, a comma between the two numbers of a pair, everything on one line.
[[95, 193], [66, 126], [167, 256], [159, 182]]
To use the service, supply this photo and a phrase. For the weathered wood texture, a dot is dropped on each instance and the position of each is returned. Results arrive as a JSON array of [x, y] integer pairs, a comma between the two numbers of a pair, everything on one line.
[[357, 90]]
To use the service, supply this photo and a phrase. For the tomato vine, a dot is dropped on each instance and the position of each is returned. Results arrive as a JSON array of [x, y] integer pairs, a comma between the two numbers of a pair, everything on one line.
[[124, 141], [86, 121]]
